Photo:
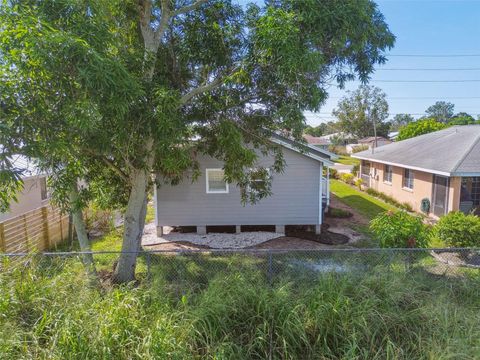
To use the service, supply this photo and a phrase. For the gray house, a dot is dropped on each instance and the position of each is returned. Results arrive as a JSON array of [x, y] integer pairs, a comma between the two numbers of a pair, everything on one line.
[[300, 194]]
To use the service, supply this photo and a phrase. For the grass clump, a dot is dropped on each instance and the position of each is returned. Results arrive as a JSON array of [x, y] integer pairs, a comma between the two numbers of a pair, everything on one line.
[[49, 310]]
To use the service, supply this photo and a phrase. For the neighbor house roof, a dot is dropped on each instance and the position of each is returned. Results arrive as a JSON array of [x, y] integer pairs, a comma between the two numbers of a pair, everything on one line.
[[313, 140], [454, 151], [310, 151], [371, 139]]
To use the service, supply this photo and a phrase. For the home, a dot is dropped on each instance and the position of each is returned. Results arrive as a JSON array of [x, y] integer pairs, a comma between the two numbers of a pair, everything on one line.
[[34, 194], [367, 143], [300, 194], [317, 141], [435, 173]]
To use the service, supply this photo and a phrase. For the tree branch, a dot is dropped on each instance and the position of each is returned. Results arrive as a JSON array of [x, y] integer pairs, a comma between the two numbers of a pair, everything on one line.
[[188, 8], [202, 89]]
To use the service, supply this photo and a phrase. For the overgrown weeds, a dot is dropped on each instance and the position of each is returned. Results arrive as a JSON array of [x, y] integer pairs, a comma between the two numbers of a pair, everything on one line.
[[237, 314]]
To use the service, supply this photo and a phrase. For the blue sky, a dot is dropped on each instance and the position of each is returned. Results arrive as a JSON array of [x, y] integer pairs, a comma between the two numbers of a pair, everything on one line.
[[425, 28]]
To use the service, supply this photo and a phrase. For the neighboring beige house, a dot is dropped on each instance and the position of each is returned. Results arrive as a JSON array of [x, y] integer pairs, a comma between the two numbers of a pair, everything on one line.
[[442, 167], [34, 193]]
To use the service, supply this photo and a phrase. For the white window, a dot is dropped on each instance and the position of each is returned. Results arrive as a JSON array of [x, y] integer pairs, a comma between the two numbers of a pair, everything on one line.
[[258, 180], [215, 182], [408, 179], [387, 173]]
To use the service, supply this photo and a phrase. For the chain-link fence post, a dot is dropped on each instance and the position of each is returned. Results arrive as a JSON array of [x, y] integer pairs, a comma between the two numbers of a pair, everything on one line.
[[270, 269], [148, 260]]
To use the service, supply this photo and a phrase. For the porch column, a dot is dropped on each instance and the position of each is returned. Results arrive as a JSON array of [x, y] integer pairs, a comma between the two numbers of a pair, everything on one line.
[[328, 186], [454, 194], [320, 197]]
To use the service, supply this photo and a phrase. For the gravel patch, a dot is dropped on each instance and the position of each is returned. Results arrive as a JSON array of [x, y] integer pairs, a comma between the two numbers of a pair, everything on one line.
[[212, 240]]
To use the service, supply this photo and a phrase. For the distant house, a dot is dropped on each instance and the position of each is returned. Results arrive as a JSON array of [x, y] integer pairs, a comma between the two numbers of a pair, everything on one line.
[[441, 169], [300, 194], [34, 193], [317, 141], [367, 143]]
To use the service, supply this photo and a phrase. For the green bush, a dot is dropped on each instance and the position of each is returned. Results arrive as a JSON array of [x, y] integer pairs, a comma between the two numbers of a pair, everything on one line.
[[390, 200], [334, 173], [359, 148], [347, 177], [400, 230], [458, 230], [358, 183], [355, 169], [407, 206], [372, 192], [339, 213]]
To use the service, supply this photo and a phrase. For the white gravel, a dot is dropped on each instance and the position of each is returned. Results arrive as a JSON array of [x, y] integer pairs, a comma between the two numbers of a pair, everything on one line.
[[213, 240]]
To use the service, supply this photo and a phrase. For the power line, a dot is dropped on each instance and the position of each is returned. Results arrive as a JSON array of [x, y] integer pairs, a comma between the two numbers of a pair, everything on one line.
[[427, 81], [434, 55], [422, 97], [429, 69]]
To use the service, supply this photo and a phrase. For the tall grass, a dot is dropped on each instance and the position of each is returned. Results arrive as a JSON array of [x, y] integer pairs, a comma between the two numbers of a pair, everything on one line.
[[49, 310]]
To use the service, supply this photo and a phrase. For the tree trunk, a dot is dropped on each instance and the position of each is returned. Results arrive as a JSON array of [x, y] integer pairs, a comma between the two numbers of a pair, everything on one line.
[[81, 231], [133, 228]]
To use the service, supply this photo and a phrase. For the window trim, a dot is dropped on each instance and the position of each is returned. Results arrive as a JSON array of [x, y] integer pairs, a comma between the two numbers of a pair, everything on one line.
[[207, 189], [404, 183], [44, 195], [248, 188], [385, 180]]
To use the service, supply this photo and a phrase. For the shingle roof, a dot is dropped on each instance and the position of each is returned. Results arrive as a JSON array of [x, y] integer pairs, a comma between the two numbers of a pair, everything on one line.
[[454, 151], [313, 140]]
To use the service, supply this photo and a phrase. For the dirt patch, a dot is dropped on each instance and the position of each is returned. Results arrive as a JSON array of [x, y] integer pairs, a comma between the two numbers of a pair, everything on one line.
[[326, 237], [469, 259], [290, 243]]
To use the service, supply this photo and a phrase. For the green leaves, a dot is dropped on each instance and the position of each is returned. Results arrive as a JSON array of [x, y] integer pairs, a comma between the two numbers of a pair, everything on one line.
[[419, 127], [400, 230]]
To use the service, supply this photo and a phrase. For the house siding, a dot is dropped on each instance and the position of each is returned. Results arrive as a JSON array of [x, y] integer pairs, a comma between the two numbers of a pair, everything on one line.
[[295, 198], [28, 199], [422, 187]]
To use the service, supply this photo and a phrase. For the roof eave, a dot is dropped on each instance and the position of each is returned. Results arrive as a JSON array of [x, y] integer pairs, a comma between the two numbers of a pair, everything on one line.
[[412, 167]]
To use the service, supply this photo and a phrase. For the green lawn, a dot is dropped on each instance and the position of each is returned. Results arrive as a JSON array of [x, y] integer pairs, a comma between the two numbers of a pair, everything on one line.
[[347, 160], [365, 204]]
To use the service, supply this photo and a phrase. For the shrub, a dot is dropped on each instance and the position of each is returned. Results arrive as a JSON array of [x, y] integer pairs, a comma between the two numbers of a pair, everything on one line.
[[458, 230], [358, 183], [347, 177], [400, 230], [407, 207], [334, 173], [355, 169], [372, 192], [339, 213], [339, 150], [359, 148]]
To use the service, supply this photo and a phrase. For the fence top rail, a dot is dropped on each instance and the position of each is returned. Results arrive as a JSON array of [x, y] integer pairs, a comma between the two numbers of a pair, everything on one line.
[[241, 251]]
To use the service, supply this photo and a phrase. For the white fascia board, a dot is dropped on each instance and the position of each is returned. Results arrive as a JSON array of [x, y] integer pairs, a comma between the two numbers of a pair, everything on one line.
[[308, 154], [431, 171]]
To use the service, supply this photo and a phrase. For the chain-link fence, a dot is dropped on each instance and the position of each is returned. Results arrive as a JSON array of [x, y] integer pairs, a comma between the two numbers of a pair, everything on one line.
[[194, 269]]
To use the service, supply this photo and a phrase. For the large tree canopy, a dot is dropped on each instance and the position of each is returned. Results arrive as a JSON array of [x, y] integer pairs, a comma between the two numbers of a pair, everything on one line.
[[361, 111], [119, 90], [440, 111]]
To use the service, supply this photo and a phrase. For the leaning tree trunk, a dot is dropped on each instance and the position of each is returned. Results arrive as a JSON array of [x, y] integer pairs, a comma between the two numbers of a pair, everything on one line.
[[133, 228], [81, 231]]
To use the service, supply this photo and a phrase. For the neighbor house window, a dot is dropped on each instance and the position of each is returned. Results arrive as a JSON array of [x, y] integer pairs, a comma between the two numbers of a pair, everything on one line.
[[387, 173], [43, 188], [215, 182], [408, 179]]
